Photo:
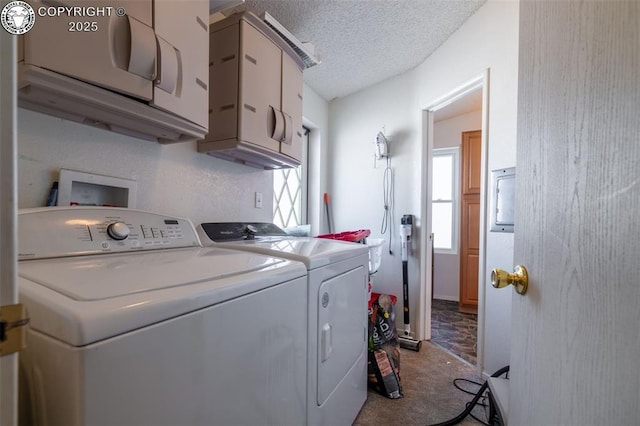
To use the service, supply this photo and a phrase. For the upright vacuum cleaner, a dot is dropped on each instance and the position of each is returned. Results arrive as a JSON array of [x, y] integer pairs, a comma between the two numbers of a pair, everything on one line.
[[406, 341]]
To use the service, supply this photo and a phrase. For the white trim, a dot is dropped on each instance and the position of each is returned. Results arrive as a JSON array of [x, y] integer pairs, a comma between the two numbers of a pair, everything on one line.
[[484, 206], [482, 81], [304, 209], [8, 217], [426, 258], [314, 176]]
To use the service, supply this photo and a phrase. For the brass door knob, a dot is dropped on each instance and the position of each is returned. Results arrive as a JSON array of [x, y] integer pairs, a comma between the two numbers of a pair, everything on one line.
[[520, 279]]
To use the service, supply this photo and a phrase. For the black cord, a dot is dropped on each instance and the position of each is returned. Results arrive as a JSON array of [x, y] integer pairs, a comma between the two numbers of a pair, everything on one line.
[[470, 405], [455, 383], [478, 420]]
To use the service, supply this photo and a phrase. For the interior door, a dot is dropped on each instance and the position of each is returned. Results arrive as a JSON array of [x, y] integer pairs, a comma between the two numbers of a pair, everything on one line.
[[471, 165], [8, 206], [575, 334]]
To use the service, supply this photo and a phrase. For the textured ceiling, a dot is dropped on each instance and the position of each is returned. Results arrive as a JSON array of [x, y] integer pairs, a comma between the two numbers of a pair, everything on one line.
[[363, 42]]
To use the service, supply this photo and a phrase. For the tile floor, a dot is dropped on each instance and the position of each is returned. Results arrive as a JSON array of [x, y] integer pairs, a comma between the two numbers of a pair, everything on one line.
[[454, 331]]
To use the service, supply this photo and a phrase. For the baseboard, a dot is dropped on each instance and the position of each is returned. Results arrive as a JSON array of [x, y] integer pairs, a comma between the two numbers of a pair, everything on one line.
[[444, 297]]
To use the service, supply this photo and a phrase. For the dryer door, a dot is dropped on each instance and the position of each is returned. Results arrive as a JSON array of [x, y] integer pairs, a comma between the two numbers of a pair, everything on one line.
[[341, 334]]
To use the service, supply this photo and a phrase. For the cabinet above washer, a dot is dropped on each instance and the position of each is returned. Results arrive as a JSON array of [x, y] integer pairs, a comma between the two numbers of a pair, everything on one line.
[[255, 96]]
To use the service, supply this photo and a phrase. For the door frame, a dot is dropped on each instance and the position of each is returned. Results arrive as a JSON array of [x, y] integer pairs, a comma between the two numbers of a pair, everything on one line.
[[481, 80], [8, 216]]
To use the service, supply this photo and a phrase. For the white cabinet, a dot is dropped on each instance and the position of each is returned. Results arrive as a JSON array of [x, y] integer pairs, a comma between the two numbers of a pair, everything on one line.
[[149, 50], [182, 34], [118, 53], [255, 98]]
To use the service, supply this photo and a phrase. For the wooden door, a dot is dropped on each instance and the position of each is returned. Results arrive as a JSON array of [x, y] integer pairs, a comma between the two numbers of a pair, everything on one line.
[[575, 336], [470, 219]]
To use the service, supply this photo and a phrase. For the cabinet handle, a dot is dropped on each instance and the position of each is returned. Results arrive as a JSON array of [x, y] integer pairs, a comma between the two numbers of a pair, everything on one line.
[[278, 121], [168, 67], [142, 51], [288, 129]]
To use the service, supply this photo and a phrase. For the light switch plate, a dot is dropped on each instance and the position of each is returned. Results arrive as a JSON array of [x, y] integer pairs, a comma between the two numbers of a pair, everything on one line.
[[258, 200], [503, 199]]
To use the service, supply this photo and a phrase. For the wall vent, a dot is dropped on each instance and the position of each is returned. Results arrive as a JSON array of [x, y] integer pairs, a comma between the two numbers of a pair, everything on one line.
[[304, 50]]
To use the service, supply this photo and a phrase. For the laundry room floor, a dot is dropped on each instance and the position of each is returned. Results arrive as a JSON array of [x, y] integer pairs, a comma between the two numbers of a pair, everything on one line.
[[429, 395]]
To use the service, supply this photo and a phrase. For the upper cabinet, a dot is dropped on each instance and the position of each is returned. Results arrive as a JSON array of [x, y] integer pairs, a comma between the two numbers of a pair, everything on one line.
[[255, 104], [134, 67], [182, 34]]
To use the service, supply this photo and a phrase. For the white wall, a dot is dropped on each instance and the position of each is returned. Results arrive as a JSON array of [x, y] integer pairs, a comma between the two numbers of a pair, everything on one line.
[[356, 181], [447, 134], [172, 179], [489, 39]]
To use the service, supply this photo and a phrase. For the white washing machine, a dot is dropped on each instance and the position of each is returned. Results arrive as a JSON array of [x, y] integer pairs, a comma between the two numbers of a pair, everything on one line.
[[337, 312], [134, 323]]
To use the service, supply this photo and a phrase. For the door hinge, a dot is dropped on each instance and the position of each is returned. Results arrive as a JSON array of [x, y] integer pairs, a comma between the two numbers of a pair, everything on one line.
[[12, 330]]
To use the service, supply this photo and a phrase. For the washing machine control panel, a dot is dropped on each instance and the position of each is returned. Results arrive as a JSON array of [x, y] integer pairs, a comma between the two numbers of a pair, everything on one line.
[[73, 231]]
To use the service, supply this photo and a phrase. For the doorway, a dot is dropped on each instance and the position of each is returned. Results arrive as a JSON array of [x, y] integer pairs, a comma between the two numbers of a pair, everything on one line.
[[444, 122]]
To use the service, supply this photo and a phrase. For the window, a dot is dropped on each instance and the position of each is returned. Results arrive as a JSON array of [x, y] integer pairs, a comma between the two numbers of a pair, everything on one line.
[[290, 192], [444, 222]]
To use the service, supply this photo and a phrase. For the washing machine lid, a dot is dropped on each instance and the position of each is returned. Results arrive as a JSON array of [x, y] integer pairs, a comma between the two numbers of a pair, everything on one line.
[[84, 299], [104, 277], [313, 252]]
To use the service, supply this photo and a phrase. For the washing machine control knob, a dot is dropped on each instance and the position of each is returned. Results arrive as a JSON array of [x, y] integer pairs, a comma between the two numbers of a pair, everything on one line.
[[118, 230], [250, 232]]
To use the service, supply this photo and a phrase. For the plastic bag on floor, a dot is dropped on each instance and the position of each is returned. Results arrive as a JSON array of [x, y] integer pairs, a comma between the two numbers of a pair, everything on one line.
[[384, 350], [382, 320]]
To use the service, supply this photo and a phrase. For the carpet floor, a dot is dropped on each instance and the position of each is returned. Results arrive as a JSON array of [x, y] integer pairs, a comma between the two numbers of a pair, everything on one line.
[[429, 394]]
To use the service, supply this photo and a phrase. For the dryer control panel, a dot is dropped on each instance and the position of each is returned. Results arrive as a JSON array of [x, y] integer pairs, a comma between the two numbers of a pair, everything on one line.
[[74, 231]]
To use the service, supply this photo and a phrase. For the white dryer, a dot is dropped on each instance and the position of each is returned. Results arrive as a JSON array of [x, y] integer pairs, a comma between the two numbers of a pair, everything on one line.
[[337, 312], [134, 323]]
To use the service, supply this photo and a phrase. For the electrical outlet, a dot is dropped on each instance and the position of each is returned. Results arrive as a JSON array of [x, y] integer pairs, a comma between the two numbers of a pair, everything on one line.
[[258, 200]]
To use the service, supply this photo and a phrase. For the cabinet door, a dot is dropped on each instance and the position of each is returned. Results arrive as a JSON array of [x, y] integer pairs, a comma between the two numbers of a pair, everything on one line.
[[260, 85], [114, 52], [182, 33], [292, 108], [224, 51]]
